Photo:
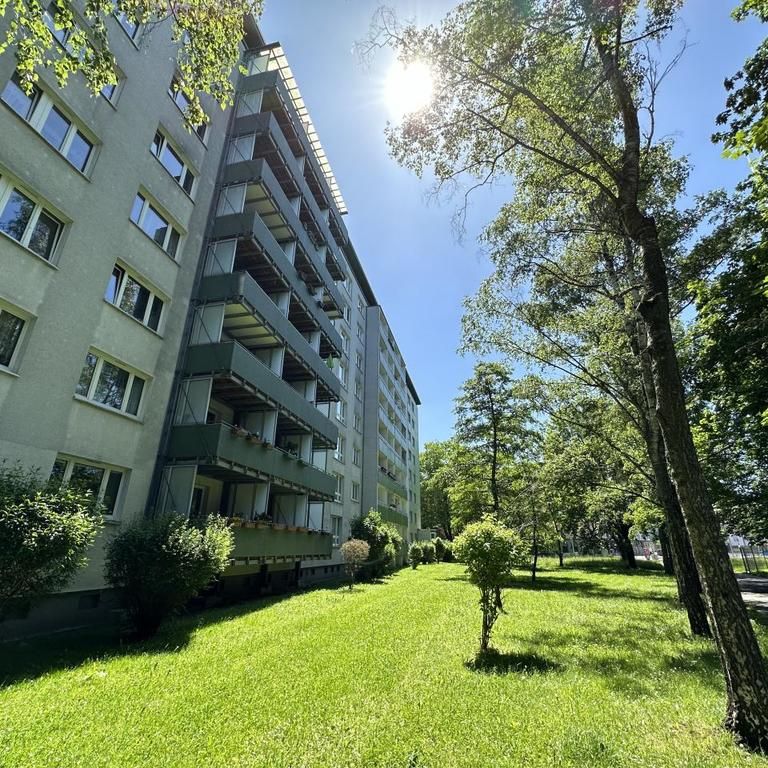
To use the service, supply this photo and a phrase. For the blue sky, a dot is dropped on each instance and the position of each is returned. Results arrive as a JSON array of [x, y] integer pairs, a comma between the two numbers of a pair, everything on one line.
[[419, 270]]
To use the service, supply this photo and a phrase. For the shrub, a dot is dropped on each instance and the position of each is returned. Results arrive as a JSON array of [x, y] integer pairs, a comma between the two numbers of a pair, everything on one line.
[[415, 554], [354, 553], [490, 551], [158, 565], [44, 534], [448, 556], [378, 534], [439, 549], [428, 552]]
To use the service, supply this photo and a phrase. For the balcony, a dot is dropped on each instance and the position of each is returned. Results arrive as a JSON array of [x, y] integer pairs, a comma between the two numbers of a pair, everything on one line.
[[221, 454], [391, 485], [253, 319], [242, 380], [266, 542], [390, 515]]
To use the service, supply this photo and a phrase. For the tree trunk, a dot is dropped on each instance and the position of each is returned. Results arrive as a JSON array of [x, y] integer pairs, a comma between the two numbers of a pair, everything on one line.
[[624, 545], [560, 551], [666, 555], [535, 550], [681, 558], [746, 675]]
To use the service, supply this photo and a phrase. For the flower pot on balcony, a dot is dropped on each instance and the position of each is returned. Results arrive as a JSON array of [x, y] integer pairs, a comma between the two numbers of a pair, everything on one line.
[[263, 524], [239, 431], [235, 522]]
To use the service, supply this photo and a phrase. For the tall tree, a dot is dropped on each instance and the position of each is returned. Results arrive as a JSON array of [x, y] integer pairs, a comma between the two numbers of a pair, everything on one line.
[[492, 421], [436, 470], [552, 92], [69, 37]]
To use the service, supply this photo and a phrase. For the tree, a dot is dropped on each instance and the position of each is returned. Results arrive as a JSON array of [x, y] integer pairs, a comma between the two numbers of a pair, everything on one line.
[[436, 477], [45, 533], [552, 93], [354, 552], [415, 554], [69, 37], [490, 552], [159, 564], [492, 422]]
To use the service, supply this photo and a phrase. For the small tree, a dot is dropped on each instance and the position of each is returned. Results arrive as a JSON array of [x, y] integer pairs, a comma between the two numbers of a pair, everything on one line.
[[490, 551], [415, 555], [439, 549], [427, 552], [44, 534], [383, 539], [160, 564], [354, 552]]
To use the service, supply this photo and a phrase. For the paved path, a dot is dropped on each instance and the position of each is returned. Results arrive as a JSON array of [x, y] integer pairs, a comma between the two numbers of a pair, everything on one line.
[[754, 590]]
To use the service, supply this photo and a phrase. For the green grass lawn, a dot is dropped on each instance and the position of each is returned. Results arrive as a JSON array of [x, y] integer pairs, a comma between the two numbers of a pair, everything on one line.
[[598, 672]]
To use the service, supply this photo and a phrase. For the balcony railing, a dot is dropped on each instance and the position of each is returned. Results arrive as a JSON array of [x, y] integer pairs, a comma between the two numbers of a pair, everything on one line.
[[231, 359], [219, 446], [262, 542]]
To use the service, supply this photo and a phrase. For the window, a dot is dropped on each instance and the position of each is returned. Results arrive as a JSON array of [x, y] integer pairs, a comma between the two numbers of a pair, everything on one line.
[[341, 411], [359, 388], [336, 530], [339, 452], [359, 360], [102, 481], [356, 455], [354, 493], [347, 313], [182, 102], [360, 331], [172, 162], [147, 218], [358, 421], [131, 28], [49, 17], [21, 103], [28, 222], [106, 383], [339, 486], [361, 306], [11, 328], [127, 293], [109, 91], [44, 116], [343, 374], [345, 341]]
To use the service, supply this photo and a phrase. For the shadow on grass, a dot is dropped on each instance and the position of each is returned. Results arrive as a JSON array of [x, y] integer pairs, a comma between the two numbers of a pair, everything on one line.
[[494, 662], [23, 660]]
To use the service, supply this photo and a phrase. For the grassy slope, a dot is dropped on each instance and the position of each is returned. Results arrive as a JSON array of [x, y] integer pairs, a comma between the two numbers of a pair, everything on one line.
[[377, 677]]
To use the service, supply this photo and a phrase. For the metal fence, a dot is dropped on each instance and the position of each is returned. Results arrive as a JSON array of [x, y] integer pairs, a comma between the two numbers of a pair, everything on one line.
[[755, 559]]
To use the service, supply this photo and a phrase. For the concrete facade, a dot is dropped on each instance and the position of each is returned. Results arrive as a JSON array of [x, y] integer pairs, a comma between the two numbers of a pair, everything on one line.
[[195, 367]]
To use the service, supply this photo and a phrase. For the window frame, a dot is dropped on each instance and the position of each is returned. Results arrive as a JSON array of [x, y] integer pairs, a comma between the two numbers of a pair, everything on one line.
[[187, 169], [354, 487], [37, 116], [147, 203], [128, 274], [101, 359], [7, 188], [341, 411], [120, 18], [71, 461], [338, 453], [12, 365], [201, 130]]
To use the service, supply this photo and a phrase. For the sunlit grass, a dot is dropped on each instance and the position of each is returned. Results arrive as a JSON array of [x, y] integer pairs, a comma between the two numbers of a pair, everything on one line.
[[595, 670]]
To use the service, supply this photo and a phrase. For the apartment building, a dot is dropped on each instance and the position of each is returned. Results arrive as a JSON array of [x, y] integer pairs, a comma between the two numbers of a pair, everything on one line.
[[184, 322]]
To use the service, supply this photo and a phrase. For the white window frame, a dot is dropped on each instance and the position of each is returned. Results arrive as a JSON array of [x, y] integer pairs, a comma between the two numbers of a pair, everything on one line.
[[70, 462], [153, 296], [39, 111], [339, 493], [358, 388], [354, 491], [186, 168], [123, 409], [7, 187], [338, 454], [201, 131], [341, 411], [344, 340], [360, 332], [356, 455], [120, 17], [358, 421], [359, 360], [336, 521], [148, 201], [343, 373]]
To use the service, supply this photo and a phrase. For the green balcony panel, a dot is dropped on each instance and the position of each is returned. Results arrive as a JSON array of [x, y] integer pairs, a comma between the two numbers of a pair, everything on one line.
[[268, 542], [215, 447], [231, 360], [390, 515], [392, 485], [240, 287]]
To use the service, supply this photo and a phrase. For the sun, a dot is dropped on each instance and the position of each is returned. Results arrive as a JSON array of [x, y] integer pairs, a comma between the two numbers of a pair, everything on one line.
[[408, 88]]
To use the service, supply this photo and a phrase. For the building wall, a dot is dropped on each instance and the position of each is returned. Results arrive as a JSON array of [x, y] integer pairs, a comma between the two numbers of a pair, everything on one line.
[[63, 300]]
